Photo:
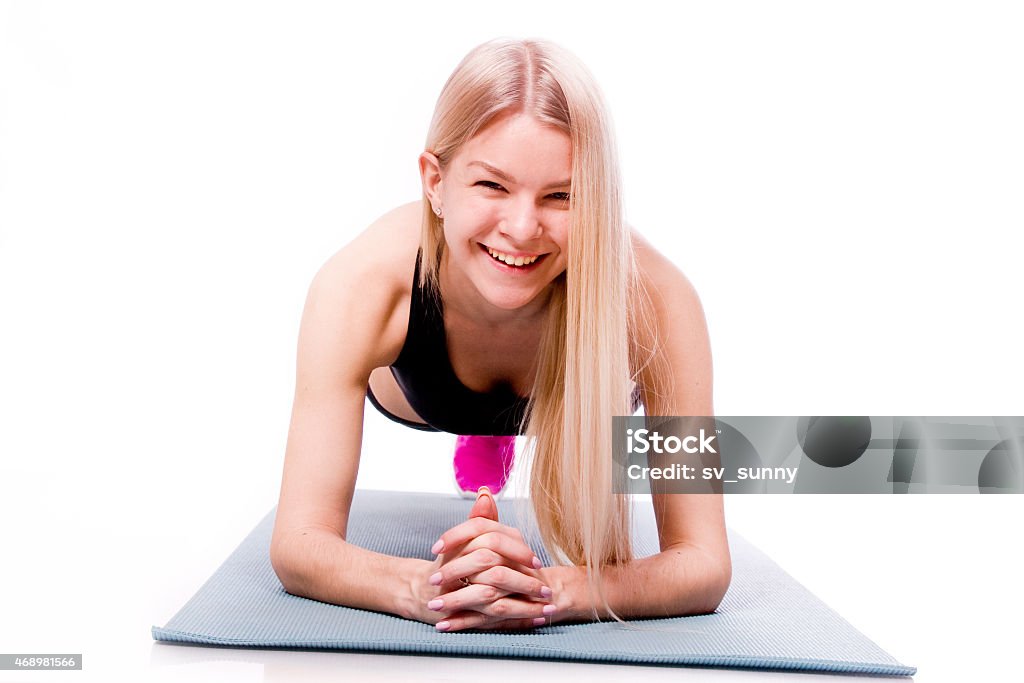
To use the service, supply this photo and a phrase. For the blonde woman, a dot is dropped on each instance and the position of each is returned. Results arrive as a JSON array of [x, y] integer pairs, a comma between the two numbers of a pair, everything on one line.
[[511, 299]]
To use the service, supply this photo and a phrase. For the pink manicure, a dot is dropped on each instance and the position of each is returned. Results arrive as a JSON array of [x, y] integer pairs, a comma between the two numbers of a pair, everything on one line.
[[435, 604], [539, 621], [545, 592], [549, 610], [443, 625], [435, 579], [537, 563], [437, 547]]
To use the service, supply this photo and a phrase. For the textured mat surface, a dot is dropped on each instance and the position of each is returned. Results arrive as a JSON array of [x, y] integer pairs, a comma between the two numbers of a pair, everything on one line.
[[767, 620]]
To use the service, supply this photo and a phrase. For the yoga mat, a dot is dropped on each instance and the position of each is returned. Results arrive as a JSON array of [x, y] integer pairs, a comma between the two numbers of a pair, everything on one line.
[[766, 620]]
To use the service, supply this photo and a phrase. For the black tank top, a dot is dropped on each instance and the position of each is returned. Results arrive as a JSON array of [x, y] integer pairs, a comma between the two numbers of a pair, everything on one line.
[[426, 377]]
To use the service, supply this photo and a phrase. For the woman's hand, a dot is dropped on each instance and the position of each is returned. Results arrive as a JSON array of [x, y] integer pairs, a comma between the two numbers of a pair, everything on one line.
[[485, 576]]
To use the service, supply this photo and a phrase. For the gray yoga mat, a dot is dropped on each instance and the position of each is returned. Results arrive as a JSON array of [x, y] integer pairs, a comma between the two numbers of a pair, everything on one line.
[[766, 621]]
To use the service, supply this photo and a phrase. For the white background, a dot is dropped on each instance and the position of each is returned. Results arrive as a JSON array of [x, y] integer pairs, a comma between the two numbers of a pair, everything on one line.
[[841, 182]]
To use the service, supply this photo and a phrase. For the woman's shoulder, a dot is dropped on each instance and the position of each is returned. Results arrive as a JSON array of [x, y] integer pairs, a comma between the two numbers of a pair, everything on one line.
[[658, 271], [369, 280], [678, 377], [382, 256], [664, 293]]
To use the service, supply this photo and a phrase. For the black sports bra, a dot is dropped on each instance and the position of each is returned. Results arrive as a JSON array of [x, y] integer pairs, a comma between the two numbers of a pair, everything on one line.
[[425, 375]]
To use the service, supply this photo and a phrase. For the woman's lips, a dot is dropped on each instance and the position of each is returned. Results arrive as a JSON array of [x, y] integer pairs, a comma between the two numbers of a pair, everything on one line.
[[505, 268]]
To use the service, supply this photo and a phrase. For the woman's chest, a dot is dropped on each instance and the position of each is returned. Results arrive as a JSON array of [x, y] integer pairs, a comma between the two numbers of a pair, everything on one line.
[[484, 357]]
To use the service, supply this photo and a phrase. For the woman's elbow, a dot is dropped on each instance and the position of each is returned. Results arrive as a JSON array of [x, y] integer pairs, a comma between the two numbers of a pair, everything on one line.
[[283, 564], [707, 593], [720, 577]]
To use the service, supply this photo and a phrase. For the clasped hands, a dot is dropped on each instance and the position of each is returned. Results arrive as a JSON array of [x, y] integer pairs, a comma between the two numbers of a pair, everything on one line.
[[484, 577]]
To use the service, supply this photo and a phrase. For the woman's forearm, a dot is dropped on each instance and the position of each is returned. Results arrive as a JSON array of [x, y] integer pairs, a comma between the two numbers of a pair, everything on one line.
[[318, 564], [678, 581]]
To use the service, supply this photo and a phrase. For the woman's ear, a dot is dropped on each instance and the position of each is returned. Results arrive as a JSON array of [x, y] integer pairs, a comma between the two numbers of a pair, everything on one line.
[[430, 177]]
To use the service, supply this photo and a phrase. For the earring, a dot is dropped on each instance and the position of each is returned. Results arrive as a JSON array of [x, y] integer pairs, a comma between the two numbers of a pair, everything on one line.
[[437, 210]]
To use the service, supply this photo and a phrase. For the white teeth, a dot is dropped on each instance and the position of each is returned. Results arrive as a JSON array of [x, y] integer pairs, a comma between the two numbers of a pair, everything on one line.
[[512, 260]]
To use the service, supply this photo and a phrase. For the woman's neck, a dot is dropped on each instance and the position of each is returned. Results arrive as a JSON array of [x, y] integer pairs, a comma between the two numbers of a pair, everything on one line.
[[461, 297]]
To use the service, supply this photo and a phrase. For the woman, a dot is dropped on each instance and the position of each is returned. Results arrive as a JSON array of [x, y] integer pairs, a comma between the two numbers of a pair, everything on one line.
[[511, 299]]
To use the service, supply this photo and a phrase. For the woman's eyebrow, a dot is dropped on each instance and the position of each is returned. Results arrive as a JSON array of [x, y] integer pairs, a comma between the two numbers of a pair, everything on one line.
[[507, 178]]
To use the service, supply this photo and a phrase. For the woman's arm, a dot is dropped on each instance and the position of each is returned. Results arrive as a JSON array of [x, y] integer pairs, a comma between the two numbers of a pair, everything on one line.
[[693, 570], [347, 313], [351, 324]]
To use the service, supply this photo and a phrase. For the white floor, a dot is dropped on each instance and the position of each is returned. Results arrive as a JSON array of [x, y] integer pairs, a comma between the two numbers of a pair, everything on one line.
[[929, 578], [935, 580], [841, 185]]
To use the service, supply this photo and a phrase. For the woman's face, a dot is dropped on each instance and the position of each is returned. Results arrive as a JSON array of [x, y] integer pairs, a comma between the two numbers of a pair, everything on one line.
[[505, 198]]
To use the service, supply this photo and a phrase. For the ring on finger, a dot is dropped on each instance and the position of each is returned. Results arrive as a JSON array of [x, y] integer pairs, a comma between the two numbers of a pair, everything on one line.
[[465, 582]]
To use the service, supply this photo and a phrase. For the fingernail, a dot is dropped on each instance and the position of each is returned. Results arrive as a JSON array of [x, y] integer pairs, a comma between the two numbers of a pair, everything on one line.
[[443, 625], [437, 547], [536, 562], [482, 490], [549, 610], [539, 621], [545, 592], [435, 579], [435, 604]]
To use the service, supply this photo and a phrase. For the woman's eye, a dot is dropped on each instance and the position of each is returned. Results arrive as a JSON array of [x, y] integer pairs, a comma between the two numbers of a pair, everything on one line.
[[560, 196], [489, 184]]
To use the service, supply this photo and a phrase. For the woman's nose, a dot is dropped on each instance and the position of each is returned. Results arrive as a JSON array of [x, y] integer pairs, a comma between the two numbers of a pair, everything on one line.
[[522, 222]]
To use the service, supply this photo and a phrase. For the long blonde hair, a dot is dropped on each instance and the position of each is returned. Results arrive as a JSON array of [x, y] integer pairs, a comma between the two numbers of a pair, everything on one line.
[[583, 375]]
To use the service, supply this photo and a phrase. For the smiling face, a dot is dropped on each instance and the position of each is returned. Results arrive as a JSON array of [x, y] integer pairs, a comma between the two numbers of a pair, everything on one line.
[[505, 203]]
